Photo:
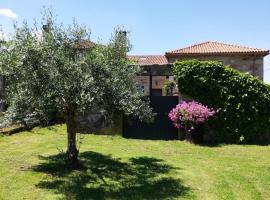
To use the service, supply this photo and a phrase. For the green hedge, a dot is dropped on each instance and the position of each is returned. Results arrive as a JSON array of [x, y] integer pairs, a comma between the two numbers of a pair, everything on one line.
[[243, 99]]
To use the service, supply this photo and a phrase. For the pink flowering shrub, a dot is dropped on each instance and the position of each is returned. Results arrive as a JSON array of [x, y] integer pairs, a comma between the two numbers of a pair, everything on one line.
[[186, 115]]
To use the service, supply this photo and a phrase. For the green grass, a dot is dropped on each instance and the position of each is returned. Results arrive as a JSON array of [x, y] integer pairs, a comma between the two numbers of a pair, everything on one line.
[[117, 168]]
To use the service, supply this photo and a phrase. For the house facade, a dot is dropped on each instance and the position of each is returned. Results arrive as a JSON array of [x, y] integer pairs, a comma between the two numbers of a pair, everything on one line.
[[155, 70], [158, 68], [245, 59]]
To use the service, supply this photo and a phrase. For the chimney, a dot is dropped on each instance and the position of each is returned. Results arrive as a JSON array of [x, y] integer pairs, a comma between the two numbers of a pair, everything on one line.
[[122, 35], [46, 27]]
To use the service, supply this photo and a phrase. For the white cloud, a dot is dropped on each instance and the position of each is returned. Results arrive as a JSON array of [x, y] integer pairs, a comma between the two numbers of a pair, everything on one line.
[[8, 13]]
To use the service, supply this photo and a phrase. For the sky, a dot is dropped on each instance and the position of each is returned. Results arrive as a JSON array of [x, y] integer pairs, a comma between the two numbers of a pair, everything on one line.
[[157, 26]]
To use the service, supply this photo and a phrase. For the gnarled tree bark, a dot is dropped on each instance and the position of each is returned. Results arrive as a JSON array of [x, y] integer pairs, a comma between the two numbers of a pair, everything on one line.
[[72, 151]]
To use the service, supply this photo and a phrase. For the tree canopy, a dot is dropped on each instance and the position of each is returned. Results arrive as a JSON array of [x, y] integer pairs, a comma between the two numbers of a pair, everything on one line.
[[45, 72]]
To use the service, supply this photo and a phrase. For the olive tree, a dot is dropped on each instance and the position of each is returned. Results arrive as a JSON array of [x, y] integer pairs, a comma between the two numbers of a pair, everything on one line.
[[46, 73]]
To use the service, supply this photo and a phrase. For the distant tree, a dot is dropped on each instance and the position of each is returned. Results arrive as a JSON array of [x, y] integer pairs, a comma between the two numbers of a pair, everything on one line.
[[46, 73]]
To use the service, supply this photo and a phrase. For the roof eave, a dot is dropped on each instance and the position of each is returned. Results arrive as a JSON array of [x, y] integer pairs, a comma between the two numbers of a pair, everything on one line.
[[177, 55]]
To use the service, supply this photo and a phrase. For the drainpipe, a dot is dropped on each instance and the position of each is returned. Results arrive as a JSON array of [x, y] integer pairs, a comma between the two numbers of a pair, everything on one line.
[[253, 67], [150, 85]]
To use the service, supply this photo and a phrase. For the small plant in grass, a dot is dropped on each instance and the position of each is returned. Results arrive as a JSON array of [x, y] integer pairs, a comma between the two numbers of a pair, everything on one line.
[[187, 115]]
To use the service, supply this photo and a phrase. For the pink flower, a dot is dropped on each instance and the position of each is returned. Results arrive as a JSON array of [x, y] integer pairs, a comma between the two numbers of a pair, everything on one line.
[[187, 114]]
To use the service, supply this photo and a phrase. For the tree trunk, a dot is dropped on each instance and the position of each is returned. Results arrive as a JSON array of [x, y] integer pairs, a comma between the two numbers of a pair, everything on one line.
[[195, 136], [72, 151]]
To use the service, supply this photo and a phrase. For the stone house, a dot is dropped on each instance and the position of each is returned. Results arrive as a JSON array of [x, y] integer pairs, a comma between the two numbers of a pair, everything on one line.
[[245, 59], [158, 68]]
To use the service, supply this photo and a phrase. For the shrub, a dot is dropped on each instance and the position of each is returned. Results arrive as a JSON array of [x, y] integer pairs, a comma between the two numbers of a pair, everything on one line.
[[168, 87], [187, 115], [244, 100]]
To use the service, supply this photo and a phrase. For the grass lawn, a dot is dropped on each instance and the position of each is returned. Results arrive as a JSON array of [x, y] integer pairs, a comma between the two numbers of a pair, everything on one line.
[[117, 168]]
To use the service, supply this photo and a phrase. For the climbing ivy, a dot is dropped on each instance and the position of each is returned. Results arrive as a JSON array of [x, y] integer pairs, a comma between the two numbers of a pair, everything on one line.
[[243, 100]]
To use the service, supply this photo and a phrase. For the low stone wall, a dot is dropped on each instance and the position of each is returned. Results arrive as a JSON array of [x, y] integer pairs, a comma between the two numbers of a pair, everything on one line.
[[97, 123]]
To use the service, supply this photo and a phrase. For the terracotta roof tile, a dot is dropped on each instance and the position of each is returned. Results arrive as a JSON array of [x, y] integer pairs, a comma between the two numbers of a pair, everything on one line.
[[210, 48], [149, 59]]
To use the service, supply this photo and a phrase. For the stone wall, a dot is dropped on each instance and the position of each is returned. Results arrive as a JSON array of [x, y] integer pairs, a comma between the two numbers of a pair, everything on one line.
[[96, 122], [157, 83], [250, 64], [143, 84]]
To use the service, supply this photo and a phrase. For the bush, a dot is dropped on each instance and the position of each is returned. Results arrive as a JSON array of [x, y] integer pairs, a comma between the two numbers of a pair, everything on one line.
[[187, 115], [243, 100], [168, 87]]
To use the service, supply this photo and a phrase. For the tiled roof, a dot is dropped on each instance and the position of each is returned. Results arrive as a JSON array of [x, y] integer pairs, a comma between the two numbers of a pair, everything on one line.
[[216, 48], [149, 59], [84, 44]]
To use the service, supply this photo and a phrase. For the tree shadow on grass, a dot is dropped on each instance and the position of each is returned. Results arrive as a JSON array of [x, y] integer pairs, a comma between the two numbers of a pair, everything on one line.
[[104, 177]]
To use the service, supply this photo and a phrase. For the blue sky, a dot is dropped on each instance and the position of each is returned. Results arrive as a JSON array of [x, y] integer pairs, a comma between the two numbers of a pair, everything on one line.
[[159, 25]]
